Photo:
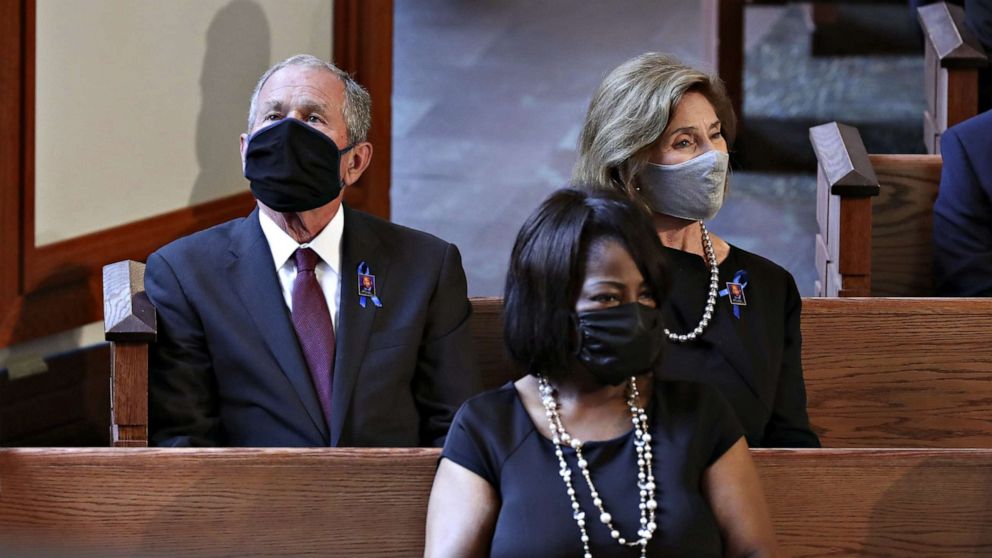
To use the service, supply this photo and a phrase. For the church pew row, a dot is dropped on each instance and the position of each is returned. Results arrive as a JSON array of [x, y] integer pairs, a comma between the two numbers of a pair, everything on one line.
[[372, 502], [875, 217], [880, 372], [951, 63]]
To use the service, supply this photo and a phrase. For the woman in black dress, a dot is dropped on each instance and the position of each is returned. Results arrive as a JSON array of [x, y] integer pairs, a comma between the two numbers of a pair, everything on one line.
[[658, 131], [550, 465]]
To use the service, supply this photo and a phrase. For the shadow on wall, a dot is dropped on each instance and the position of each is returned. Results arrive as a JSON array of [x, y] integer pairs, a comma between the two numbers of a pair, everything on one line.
[[238, 51]]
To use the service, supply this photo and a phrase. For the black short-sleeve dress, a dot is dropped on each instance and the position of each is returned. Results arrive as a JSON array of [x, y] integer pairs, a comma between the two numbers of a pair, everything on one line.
[[691, 427], [750, 352]]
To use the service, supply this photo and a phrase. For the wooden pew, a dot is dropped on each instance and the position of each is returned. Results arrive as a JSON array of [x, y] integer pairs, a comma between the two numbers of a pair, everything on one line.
[[129, 325], [58, 400], [875, 217], [879, 372], [889, 372], [372, 502], [952, 60]]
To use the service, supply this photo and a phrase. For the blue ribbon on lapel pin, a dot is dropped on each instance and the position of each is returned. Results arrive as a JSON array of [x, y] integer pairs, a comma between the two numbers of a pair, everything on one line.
[[737, 299], [366, 286]]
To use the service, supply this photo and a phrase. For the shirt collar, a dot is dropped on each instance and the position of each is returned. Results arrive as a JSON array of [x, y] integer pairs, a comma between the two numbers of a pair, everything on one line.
[[327, 243]]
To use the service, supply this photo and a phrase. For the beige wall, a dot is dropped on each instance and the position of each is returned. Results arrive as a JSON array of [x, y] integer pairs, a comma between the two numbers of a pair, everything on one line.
[[139, 103]]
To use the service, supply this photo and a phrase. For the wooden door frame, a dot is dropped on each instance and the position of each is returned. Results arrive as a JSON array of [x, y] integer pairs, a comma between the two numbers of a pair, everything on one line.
[[56, 287]]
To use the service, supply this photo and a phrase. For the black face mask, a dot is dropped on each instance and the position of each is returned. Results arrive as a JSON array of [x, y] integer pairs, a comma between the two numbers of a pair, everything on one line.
[[293, 167], [620, 342]]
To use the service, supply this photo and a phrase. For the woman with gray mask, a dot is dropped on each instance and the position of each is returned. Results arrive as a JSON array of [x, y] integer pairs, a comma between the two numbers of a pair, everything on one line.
[[658, 131]]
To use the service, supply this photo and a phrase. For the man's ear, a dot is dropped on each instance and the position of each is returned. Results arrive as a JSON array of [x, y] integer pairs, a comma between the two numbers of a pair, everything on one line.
[[355, 163]]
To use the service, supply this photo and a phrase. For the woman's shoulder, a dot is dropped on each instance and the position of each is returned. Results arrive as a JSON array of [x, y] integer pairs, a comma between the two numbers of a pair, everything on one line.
[[767, 272], [487, 429], [757, 262], [493, 404]]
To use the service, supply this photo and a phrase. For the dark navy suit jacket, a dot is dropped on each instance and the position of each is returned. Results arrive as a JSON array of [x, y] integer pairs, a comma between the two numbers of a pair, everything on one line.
[[228, 370], [962, 214]]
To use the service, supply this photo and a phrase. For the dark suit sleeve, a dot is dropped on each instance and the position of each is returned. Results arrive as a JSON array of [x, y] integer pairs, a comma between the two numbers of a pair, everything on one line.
[[182, 395], [788, 426], [962, 225], [447, 373]]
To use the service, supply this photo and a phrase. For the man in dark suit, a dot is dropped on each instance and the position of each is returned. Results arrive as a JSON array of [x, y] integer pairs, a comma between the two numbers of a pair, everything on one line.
[[962, 214], [307, 323]]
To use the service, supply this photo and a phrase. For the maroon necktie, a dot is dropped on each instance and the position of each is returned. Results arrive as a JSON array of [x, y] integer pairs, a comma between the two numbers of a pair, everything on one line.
[[314, 329]]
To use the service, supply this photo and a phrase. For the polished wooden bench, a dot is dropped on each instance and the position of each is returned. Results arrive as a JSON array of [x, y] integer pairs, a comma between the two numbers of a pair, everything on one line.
[[879, 372], [874, 217], [372, 502], [952, 61]]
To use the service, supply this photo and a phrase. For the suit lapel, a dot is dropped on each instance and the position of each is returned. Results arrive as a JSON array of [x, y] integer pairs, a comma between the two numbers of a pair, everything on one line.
[[359, 243], [253, 276]]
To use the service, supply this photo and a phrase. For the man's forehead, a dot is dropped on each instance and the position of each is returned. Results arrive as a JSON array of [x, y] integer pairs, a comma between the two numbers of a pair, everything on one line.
[[316, 82]]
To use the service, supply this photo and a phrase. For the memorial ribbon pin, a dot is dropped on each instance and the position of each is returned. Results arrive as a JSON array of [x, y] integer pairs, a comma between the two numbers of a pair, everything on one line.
[[735, 292], [366, 286]]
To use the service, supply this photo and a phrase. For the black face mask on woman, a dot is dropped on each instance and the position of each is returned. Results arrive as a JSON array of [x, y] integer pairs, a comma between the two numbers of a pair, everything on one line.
[[293, 167], [620, 342]]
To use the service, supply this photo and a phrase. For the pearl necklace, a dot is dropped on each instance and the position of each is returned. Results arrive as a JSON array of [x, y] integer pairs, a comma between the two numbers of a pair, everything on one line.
[[645, 474], [710, 300]]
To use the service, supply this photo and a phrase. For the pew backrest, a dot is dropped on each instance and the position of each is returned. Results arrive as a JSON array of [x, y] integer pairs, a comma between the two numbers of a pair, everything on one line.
[[952, 58], [879, 372], [373, 502], [874, 217], [891, 372]]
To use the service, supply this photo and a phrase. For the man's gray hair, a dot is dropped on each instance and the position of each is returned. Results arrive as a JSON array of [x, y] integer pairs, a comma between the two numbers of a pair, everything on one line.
[[628, 113], [357, 108]]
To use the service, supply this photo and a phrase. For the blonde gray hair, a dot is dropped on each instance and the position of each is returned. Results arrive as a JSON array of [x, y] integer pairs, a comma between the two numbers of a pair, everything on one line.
[[357, 107], [630, 110]]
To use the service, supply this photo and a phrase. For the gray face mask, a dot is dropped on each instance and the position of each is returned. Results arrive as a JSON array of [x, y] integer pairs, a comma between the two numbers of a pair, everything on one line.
[[692, 189]]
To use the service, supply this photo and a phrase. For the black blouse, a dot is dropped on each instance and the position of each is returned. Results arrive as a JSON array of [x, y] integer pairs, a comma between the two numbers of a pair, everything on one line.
[[691, 427], [753, 357]]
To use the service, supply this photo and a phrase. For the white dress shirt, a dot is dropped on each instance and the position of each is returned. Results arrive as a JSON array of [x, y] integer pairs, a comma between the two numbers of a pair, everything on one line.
[[327, 245]]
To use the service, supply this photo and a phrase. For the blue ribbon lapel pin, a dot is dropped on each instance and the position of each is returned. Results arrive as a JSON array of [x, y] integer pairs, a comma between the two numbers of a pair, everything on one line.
[[735, 292], [366, 286]]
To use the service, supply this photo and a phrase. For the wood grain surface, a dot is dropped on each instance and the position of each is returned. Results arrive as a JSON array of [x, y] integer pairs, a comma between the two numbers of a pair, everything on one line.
[[842, 156], [487, 336], [902, 224], [128, 315], [880, 372], [372, 502], [911, 372], [147, 502], [892, 502], [953, 42], [68, 405]]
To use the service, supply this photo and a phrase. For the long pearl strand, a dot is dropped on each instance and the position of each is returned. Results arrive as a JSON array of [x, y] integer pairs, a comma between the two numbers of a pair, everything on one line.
[[710, 300], [645, 475]]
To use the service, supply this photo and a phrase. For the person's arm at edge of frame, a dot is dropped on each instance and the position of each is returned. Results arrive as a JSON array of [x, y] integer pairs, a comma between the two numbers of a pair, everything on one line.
[[733, 490], [181, 391], [788, 426], [447, 368], [461, 514]]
